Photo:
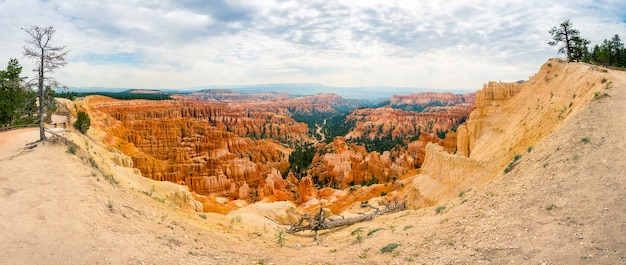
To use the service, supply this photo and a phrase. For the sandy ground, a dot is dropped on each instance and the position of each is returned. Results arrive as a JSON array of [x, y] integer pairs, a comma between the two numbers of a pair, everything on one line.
[[564, 203]]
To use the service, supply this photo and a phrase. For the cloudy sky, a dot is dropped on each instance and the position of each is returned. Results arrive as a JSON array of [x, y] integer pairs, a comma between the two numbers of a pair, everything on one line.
[[454, 44]]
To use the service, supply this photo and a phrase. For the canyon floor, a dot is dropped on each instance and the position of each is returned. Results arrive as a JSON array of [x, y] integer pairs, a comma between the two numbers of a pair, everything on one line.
[[563, 203]]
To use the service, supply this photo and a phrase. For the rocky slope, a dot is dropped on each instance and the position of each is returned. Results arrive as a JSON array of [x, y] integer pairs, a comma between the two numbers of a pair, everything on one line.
[[510, 118]]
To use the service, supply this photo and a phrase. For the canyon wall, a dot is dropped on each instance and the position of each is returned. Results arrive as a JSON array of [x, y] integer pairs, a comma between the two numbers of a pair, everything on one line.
[[508, 120], [205, 146], [386, 121], [431, 101]]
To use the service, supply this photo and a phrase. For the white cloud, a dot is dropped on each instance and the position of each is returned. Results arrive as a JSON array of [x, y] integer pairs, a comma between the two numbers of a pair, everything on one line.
[[451, 44]]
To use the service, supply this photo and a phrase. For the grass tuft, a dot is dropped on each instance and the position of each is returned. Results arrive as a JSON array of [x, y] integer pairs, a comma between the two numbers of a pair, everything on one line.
[[71, 148], [389, 248], [374, 231], [598, 95], [111, 179], [516, 158], [280, 238]]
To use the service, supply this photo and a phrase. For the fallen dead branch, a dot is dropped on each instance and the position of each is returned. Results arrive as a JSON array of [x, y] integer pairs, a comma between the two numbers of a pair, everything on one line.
[[321, 222]]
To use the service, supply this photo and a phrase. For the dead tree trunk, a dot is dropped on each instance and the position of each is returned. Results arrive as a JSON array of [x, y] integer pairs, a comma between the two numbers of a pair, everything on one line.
[[321, 222]]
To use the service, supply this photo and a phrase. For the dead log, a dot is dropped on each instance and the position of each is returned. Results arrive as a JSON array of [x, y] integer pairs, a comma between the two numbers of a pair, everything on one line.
[[321, 222]]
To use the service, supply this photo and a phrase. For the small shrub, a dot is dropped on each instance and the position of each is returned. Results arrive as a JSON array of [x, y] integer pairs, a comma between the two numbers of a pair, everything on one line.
[[383, 193], [584, 139], [71, 149], [203, 216], [110, 204], [440, 209], [111, 179], [358, 233], [280, 238], [550, 207], [597, 95], [93, 163], [408, 227], [530, 148], [516, 158], [389, 248], [236, 219], [603, 80], [82, 122]]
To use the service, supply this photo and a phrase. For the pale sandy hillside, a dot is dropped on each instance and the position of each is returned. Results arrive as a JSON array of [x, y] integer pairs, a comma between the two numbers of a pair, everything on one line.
[[564, 202]]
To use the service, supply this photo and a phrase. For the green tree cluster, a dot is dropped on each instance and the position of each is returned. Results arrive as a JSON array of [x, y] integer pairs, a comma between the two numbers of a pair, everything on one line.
[[300, 159], [82, 122], [13, 94], [610, 52]]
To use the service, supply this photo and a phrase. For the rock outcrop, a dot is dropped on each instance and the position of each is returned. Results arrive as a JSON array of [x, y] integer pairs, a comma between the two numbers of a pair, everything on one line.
[[386, 121], [431, 100], [199, 144], [509, 119]]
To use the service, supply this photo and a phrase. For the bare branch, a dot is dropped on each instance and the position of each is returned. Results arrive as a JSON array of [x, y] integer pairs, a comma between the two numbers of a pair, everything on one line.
[[321, 222], [48, 58]]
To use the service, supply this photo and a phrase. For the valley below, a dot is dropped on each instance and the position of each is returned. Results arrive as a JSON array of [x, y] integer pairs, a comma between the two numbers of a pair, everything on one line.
[[526, 172]]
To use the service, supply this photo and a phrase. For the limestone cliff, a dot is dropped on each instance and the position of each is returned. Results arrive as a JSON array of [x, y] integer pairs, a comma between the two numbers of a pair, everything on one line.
[[431, 101], [509, 119], [380, 122]]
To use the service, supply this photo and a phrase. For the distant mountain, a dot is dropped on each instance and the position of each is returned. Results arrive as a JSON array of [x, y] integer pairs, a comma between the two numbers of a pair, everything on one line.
[[304, 89], [145, 91], [370, 93]]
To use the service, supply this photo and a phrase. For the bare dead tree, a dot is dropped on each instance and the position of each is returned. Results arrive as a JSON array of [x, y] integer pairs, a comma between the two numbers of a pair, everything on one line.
[[48, 58], [321, 222]]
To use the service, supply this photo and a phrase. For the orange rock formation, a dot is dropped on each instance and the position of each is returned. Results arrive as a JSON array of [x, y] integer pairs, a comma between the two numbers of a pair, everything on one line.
[[509, 119], [200, 144]]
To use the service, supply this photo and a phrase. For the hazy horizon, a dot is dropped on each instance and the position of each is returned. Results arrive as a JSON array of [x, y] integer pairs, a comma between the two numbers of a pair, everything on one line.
[[302, 89]]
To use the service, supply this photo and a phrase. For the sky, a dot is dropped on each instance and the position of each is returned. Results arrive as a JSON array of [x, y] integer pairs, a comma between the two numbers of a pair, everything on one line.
[[454, 44]]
